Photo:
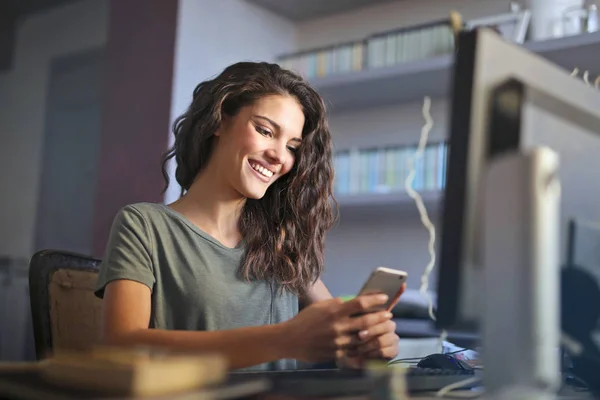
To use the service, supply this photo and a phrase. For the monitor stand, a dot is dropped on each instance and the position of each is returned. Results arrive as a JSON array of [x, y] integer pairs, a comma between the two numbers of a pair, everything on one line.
[[520, 255]]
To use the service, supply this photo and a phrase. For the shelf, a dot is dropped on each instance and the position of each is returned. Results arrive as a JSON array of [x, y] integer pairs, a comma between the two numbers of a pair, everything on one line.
[[299, 10], [385, 85], [431, 77], [390, 204], [582, 51]]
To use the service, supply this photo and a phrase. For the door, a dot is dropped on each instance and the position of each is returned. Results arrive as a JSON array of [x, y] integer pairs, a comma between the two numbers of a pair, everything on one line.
[[70, 152]]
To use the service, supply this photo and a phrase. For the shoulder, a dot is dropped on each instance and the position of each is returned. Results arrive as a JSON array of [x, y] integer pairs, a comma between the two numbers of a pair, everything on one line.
[[152, 222], [137, 219], [139, 213]]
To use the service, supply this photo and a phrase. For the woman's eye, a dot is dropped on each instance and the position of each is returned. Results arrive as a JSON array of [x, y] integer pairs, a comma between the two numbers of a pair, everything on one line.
[[264, 132], [292, 149]]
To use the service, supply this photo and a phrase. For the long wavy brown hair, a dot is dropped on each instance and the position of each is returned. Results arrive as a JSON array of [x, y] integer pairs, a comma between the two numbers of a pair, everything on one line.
[[284, 231]]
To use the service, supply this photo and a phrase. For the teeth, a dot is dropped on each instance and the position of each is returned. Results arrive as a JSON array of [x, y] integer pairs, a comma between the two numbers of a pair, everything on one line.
[[262, 170]]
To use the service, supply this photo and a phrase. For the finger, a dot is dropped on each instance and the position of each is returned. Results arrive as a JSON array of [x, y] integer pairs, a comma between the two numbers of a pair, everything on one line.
[[367, 321], [363, 303], [347, 341], [387, 326], [380, 342]]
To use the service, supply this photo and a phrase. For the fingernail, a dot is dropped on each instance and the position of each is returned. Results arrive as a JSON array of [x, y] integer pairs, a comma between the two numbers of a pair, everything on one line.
[[383, 297], [389, 315], [363, 334]]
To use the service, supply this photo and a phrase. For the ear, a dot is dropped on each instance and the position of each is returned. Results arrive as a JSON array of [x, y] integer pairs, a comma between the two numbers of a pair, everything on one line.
[[222, 125]]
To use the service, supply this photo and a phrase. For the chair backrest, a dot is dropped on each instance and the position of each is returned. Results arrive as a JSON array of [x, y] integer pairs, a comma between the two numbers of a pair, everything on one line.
[[65, 312]]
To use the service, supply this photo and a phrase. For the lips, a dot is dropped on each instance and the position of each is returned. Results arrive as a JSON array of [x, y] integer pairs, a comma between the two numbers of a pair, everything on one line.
[[264, 173]]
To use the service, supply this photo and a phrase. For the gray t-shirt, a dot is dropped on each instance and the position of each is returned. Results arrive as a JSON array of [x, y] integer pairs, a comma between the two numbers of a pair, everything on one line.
[[193, 278]]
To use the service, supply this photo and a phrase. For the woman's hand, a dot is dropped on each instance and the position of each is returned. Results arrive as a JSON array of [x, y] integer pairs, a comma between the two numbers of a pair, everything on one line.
[[378, 342], [326, 330]]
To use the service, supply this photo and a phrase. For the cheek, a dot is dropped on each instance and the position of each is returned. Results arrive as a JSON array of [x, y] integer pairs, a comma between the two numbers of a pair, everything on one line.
[[246, 141], [248, 145], [289, 164]]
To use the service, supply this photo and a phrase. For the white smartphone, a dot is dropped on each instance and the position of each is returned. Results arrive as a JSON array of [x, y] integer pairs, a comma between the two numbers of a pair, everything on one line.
[[388, 281]]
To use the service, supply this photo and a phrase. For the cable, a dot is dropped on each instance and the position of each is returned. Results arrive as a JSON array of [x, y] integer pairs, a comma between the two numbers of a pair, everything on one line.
[[586, 76], [419, 202], [426, 110]]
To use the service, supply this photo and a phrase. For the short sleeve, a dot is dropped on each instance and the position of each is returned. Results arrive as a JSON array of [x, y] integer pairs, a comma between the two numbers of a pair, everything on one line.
[[128, 252]]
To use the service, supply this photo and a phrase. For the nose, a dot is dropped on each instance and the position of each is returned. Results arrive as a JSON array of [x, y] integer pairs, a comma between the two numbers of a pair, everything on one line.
[[276, 154]]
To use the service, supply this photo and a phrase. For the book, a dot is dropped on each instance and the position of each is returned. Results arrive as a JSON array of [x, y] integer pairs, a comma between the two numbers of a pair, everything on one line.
[[133, 372], [28, 384]]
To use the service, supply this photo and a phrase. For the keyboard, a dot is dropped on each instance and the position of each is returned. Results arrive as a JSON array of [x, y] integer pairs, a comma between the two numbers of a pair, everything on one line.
[[335, 382]]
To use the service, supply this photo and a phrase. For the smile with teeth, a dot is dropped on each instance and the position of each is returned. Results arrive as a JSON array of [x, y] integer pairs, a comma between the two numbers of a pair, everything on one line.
[[260, 169]]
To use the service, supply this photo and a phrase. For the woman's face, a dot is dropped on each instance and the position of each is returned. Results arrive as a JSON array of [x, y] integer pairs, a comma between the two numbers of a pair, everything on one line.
[[258, 145]]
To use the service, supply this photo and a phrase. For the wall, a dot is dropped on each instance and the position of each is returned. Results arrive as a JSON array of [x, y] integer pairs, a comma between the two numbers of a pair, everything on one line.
[[400, 241], [213, 34], [23, 91]]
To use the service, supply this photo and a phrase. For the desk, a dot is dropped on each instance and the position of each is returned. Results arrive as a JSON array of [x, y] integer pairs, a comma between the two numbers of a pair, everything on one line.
[[566, 393], [33, 388]]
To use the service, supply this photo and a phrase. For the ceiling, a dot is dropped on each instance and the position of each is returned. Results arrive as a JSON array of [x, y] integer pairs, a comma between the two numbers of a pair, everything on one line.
[[298, 10]]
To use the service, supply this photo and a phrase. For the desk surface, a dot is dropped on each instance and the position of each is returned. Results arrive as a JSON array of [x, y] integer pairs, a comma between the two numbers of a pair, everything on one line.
[[566, 393], [25, 383]]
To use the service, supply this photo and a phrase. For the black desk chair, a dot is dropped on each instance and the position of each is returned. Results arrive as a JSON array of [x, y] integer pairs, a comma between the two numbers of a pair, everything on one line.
[[65, 312]]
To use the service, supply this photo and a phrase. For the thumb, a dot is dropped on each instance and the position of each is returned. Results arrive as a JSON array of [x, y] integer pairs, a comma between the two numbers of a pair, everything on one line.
[[397, 297]]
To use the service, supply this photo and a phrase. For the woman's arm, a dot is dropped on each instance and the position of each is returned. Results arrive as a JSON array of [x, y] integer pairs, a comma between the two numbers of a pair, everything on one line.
[[316, 334], [126, 316], [315, 293]]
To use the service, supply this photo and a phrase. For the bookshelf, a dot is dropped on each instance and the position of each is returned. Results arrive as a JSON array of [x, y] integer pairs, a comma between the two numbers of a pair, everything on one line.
[[412, 80], [372, 180], [379, 86]]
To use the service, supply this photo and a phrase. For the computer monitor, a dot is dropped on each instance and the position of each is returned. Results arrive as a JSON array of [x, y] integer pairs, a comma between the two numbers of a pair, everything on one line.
[[507, 100], [566, 118]]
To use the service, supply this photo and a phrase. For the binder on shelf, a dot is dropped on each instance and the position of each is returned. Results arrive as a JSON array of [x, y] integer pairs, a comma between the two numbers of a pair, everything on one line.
[[385, 169], [358, 58], [382, 49]]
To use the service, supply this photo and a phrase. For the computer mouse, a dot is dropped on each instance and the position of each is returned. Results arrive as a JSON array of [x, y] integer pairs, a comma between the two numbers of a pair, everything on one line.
[[443, 361]]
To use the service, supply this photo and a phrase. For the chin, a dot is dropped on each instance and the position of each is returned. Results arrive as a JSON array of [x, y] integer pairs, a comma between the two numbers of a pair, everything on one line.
[[253, 193]]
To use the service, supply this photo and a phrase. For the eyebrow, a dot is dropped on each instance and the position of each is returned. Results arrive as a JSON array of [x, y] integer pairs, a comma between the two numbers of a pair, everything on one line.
[[276, 125]]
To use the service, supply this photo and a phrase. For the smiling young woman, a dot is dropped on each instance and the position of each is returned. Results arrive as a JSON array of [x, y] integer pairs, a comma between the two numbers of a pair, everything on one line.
[[224, 267]]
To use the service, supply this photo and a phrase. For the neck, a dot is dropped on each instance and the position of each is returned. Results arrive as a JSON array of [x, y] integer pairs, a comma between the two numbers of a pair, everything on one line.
[[213, 207]]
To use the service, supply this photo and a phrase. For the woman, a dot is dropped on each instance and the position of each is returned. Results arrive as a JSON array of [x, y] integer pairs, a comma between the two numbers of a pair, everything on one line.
[[223, 267]]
